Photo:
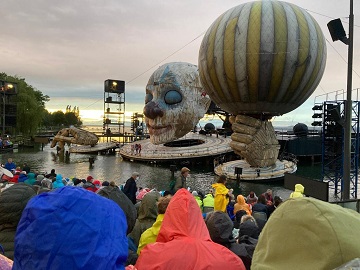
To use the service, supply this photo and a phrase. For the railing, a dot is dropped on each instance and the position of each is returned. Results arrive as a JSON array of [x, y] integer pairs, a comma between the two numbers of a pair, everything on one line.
[[336, 96]]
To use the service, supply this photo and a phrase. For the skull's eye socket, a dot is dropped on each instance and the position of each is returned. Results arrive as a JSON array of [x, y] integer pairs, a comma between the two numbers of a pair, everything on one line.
[[172, 97], [148, 98]]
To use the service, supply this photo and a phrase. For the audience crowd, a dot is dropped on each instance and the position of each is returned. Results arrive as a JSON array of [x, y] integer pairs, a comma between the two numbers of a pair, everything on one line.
[[51, 222]]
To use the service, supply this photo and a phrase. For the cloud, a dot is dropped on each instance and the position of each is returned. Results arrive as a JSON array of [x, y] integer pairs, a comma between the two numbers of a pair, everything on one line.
[[67, 49]]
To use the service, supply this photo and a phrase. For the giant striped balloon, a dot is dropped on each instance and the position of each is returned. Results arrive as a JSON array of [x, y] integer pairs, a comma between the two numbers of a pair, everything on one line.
[[262, 57]]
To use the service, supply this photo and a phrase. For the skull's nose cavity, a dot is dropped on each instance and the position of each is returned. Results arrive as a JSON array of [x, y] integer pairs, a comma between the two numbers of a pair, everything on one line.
[[152, 110]]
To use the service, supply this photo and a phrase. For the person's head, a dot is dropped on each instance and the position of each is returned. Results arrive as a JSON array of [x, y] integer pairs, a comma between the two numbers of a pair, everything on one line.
[[135, 175], [52, 171], [46, 183], [246, 218], [40, 177], [59, 178], [10, 160], [166, 193], [319, 235], [299, 188], [97, 183], [58, 231], [220, 227], [105, 184], [240, 199], [222, 179], [148, 207], [112, 184], [262, 199], [90, 179], [194, 193], [163, 204], [185, 171], [18, 195], [239, 214], [252, 194]]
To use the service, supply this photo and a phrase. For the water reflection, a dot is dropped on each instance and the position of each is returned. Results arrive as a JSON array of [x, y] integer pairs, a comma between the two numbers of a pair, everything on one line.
[[114, 168]]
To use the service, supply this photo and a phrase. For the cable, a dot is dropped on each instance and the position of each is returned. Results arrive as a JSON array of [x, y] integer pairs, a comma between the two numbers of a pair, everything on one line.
[[165, 58], [155, 64], [329, 17], [341, 56]]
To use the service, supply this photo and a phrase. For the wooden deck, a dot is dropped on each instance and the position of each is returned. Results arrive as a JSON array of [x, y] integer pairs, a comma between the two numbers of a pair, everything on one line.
[[211, 146]]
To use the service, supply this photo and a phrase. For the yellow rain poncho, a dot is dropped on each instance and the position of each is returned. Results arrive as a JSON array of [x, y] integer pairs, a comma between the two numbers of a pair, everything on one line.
[[299, 191], [150, 235], [305, 233], [221, 200]]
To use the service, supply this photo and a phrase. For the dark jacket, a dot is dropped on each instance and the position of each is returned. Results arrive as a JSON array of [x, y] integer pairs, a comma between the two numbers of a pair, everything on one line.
[[259, 207], [257, 210], [250, 229], [22, 178], [130, 189], [90, 186], [115, 194], [180, 183], [12, 203], [220, 228], [147, 216]]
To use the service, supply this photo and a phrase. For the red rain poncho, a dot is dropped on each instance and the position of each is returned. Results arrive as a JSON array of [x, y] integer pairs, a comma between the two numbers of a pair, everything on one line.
[[184, 241]]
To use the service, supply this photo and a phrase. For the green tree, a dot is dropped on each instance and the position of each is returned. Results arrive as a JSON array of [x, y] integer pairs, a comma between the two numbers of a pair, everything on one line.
[[58, 118], [72, 119], [47, 121]]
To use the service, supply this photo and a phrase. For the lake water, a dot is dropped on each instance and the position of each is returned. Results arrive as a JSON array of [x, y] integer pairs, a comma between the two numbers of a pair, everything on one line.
[[114, 168]]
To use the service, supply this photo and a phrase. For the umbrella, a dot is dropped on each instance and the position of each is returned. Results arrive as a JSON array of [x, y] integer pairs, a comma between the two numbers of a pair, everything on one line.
[[6, 172]]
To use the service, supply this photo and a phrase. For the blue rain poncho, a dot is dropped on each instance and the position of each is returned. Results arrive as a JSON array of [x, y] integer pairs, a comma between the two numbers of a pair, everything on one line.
[[71, 228]]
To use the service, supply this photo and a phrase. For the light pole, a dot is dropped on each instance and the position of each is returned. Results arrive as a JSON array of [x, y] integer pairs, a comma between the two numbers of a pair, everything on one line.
[[6, 87], [337, 33], [3, 120]]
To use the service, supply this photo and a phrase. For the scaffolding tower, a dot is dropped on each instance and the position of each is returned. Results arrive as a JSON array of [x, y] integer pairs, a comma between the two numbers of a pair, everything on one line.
[[332, 115], [114, 108]]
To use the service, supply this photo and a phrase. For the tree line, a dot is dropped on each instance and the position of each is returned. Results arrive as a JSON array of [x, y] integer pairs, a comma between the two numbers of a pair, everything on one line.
[[31, 113]]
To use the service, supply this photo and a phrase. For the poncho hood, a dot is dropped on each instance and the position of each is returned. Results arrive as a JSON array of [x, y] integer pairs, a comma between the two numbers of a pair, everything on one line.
[[71, 228], [306, 233]]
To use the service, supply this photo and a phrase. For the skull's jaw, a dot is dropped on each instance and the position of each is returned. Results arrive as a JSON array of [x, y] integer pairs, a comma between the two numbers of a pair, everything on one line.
[[163, 135]]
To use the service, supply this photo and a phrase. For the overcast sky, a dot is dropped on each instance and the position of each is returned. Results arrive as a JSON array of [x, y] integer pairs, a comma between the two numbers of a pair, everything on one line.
[[66, 49]]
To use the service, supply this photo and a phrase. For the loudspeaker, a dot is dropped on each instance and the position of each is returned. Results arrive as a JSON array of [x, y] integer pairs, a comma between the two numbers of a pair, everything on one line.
[[336, 30], [238, 170]]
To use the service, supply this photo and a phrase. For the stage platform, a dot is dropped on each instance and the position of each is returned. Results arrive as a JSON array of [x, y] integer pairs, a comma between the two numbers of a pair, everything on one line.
[[191, 146], [272, 173]]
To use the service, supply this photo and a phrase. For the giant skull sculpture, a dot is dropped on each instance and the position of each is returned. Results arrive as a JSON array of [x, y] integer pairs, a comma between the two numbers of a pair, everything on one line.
[[174, 101]]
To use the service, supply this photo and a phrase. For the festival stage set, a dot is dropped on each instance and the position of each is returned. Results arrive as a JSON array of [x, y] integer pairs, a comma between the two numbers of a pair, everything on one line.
[[257, 60]]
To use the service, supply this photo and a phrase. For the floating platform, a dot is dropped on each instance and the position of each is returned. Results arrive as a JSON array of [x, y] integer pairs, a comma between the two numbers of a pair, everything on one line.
[[103, 148], [272, 173], [190, 146]]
